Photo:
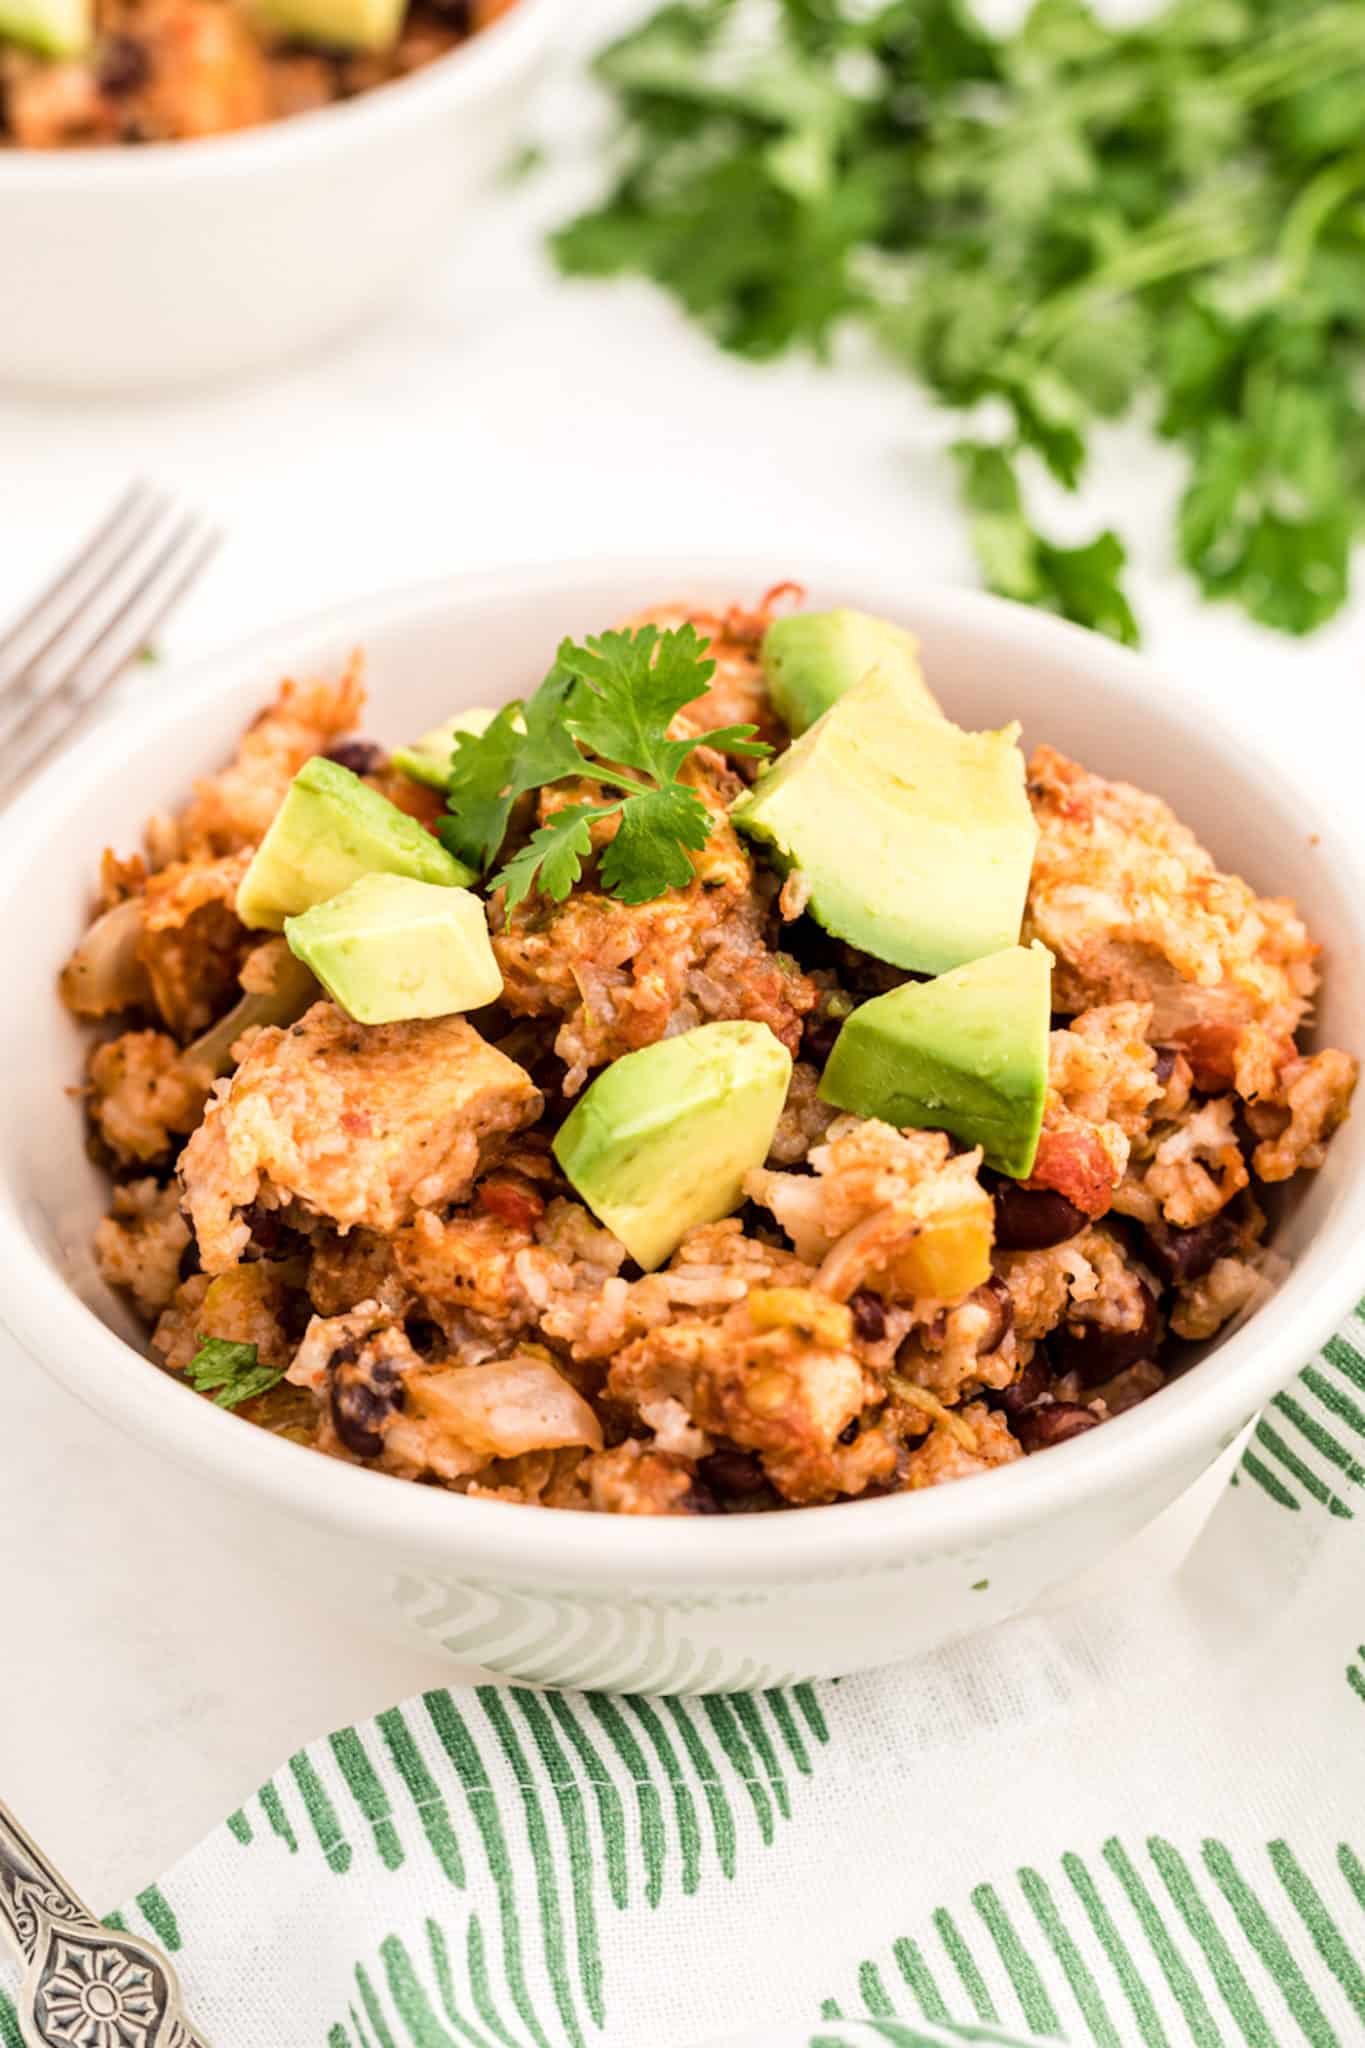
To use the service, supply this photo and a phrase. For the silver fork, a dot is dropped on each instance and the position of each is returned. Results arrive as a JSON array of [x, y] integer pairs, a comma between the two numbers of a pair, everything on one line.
[[83, 1982], [99, 611]]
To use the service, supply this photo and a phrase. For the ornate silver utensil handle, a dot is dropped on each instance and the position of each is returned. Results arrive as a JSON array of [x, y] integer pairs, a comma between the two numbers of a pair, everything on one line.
[[84, 1986]]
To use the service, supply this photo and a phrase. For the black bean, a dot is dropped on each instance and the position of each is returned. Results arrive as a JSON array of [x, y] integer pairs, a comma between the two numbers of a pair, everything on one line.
[[362, 757], [1179, 1255], [426, 1338], [124, 66], [363, 1394], [189, 1260], [1027, 1390], [732, 1473], [1031, 1219], [1165, 1063], [1052, 1424], [869, 1315], [818, 1034], [849, 1433], [296, 1313], [995, 1296], [699, 1500], [267, 1231], [1096, 1351]]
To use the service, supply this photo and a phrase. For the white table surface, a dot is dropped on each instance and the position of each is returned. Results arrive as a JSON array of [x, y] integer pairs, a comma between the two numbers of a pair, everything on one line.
[[155, 1673]]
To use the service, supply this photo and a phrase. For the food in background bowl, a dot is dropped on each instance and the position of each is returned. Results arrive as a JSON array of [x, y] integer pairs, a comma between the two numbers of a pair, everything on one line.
[[138, 71], [644, 1097]]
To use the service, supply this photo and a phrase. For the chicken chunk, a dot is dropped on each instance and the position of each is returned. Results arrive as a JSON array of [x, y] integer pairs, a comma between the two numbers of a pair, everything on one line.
[[250, 1305], [362, 1126], [895, 1211], [142, 1095], [787, 1389], [192, 940], [623, 975], [1134, 909], [1101, 1082], [138, 1245], [232, 809], [630, 1480], [946, 1455]]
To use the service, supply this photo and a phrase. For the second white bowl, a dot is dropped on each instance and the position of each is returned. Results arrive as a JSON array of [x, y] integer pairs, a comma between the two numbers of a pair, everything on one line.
[[136, 268]]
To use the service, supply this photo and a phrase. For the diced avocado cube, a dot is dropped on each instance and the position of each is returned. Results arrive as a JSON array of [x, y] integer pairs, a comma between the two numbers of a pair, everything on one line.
[[428, 759], [663, 1138], [966, 1053], [55, 28], [331, 829], [337, 24], [914, 838], [812, 658], [389, 949]]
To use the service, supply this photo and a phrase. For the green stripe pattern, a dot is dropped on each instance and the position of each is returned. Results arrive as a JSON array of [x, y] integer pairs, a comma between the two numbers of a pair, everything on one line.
[[1308, 1447], [885, 2032], [575, 1644], [1156, 1947], [560, 1811]]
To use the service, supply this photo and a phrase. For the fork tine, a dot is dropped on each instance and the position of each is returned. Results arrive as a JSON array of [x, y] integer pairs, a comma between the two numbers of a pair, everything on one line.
[[48, 675], [181, 560], [58, 603]]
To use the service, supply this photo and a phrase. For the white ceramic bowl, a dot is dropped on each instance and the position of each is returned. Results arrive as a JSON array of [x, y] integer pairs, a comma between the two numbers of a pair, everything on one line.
[[667, 1605], [135, 268]]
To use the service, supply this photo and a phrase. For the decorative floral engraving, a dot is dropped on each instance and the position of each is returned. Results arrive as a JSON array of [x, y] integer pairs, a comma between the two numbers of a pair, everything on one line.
[[86, 1987], [98, 1996]]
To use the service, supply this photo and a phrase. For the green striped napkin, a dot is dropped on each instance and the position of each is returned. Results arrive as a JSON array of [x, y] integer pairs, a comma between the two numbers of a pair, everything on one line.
[[1130, 1824]]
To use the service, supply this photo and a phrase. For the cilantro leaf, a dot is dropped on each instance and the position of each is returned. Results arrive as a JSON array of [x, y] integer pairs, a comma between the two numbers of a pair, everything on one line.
[[601, 715], [547, 753], [1059, 220], [1080, 583], [630, 686], [647, 855], [230, 1372], [521, 749], [552, 859], [478, 798]]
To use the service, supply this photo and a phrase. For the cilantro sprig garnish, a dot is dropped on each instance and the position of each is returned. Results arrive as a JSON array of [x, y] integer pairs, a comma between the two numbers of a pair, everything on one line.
[[230, 1372], [601, 715], [1048, 227]]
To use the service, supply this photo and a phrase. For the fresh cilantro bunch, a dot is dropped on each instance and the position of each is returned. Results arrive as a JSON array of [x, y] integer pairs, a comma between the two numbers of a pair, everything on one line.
[[1047, 227], [230, 1372], [601, 715]]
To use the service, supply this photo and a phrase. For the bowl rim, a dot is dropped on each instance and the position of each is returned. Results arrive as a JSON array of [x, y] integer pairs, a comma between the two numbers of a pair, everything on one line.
[[715, 1554], [489, 59]]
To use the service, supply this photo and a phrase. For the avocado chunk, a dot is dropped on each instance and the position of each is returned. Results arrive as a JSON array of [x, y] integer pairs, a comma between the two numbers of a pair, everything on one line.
[[914, 837], [55, 28], [331, 829], [337, 24], [428, 759], [966, 1053], [389, 949], [812, 658], [663, 1138]]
